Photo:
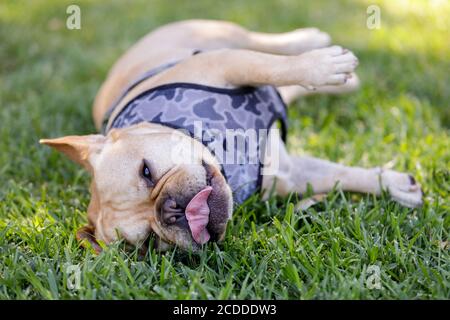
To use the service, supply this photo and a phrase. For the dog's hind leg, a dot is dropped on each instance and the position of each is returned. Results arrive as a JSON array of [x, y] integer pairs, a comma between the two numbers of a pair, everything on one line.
[[292, 93], [213, 34], [287, 43]]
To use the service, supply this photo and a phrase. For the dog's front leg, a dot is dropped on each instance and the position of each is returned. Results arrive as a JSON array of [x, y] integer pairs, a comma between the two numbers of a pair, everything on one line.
[[296, 173], [236, 67]]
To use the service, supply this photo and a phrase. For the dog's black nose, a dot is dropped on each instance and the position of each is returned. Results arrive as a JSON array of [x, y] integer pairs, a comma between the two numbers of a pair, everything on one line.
[[171, 212]]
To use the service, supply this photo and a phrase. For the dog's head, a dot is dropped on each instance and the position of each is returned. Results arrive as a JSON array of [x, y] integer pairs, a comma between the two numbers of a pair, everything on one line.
[[151, 179]]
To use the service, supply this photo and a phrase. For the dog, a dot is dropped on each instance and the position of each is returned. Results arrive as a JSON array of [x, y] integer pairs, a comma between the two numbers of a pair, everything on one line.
[[223, 76]]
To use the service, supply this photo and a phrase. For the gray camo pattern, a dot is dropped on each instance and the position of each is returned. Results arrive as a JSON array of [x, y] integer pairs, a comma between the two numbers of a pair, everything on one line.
[[181, 105]]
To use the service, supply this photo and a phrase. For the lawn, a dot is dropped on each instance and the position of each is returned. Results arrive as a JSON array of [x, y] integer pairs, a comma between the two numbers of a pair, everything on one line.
[[348, 247]]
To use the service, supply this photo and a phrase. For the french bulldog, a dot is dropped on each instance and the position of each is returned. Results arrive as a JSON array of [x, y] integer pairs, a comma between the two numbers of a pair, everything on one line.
[[152, 176]]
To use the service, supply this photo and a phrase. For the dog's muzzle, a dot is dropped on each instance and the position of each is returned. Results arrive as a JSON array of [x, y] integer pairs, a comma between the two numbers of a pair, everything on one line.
[[205, 214]]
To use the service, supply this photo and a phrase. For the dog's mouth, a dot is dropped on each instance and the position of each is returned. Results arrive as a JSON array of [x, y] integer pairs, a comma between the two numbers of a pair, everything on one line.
[[204, 215], [220, 202]]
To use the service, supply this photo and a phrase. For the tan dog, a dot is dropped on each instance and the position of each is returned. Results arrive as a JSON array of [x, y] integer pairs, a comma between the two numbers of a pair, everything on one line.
[[138, 188]]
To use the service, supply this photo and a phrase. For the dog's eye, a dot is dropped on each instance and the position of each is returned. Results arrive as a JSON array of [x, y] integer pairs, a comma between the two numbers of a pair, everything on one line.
[[147, 174]]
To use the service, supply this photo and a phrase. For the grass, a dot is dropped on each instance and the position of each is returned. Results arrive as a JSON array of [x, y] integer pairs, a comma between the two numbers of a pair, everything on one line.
[[49, 76]]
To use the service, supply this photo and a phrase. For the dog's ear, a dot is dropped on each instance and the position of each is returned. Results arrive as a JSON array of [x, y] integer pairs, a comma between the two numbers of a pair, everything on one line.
[[81, 149]]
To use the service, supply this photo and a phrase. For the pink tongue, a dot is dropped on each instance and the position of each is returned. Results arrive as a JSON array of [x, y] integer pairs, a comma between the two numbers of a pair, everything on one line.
[[197, 215]]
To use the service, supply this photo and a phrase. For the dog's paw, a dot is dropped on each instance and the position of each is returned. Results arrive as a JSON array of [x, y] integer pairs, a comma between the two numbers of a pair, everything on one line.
[[327, 66], [302, 40], [352, 84], [403, 188]]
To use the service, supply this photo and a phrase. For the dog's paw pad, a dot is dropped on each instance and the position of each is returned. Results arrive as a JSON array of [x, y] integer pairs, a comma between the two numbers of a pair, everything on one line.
[[403, 188]]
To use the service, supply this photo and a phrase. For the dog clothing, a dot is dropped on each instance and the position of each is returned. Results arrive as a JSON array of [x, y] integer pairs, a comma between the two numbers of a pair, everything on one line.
[[232, 123]]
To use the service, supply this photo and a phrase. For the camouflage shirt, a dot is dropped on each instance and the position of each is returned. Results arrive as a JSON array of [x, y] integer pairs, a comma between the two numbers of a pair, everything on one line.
[[232, 121]]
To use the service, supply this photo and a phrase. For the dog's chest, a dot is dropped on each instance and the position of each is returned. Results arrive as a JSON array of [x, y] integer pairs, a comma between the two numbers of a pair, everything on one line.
[[232, 123]]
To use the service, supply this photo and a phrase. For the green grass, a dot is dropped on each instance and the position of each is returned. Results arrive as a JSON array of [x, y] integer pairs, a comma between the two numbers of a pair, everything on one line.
[[49, 76]]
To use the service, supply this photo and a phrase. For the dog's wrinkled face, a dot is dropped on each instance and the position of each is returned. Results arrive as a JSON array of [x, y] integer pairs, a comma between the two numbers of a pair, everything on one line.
[[144, 177]]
